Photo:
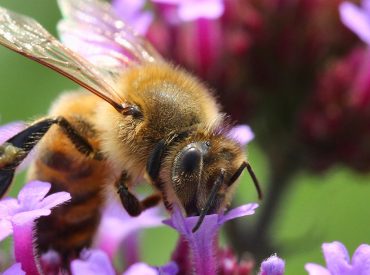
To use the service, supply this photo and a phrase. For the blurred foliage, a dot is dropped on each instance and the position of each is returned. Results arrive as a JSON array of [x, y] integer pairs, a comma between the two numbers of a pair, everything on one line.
[[312, 212]]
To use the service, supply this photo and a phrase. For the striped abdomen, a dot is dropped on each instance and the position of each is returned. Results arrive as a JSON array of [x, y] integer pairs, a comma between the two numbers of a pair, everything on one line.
[[72, 226]]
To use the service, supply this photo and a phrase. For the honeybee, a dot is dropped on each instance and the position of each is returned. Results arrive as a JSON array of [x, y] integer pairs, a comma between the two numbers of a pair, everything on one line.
[[144, 119]]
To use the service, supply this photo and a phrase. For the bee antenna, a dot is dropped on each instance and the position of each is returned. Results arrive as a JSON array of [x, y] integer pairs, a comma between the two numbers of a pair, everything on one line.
[[210, 200], [255, 180]]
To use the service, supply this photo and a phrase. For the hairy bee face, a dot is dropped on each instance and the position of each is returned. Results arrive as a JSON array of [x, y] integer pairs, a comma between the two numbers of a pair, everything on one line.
[[203, 174]]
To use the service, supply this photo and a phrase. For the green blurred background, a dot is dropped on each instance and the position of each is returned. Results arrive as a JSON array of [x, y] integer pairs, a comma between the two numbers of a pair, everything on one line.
[[332, 206]]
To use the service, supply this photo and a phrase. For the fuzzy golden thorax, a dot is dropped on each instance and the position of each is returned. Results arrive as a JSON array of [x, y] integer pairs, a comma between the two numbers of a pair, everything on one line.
[[170, 101]]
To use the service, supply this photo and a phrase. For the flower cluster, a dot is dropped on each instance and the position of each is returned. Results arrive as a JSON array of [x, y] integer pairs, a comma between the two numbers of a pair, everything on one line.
[[297, 69]]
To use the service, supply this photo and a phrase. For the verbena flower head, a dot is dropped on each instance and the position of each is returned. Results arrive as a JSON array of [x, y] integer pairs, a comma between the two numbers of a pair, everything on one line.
[[338, 261], [202, 243], [272, 266], [31, 204], [357, 18], [17, 216]]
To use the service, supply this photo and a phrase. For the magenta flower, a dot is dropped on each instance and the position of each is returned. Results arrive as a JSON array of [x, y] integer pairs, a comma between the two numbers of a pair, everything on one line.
[[17, 216], [357, 18], [338, 261], [190, 10], [272, 266], [132, 12], [202, 243]]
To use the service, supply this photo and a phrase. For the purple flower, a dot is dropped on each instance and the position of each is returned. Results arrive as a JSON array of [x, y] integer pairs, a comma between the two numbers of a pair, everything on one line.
[[272, 266], [242, 134], [202, 242], [95, 261], [30, 205], [92, 262], [357, 18], [10, 129], [338, 261], [131, 12], [143, 268], [15, 269], [17, 216], [125, 226], [190, 10]]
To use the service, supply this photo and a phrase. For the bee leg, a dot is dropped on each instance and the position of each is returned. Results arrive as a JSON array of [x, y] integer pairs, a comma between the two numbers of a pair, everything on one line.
[[16, 149], [130, 202]]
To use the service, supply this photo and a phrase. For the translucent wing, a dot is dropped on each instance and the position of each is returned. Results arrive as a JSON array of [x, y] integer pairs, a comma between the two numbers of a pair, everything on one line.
[[91, 28], [27, 37]]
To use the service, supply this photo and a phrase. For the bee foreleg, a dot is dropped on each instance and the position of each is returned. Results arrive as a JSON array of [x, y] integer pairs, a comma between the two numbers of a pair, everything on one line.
[[130, 202], [16, 149]]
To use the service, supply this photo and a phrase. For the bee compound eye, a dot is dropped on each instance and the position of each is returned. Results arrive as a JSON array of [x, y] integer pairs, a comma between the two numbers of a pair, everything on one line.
[[190, 160]]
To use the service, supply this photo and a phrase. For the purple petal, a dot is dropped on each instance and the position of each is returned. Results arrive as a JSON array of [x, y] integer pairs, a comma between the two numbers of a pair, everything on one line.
[[201, 242], [192, 10], [241, 211], [361, 260], [7, 207], [131, 12], [11, 129], [116, 217], [141, 268], [6, 229], [169, 2], [15, 269], [169, 269], [142, 22], [242, 134], [29, 216], [127, 7], [273, 266], [315, 269], [32, 193], [93, 262], [54, 200], [366, 6], [356, 19], [336, 257]]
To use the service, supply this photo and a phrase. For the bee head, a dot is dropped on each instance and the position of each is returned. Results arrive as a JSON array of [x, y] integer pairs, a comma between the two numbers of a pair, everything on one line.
[[204, 173]]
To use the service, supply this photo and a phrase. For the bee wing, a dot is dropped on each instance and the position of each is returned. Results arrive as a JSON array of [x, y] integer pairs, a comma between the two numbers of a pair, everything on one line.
[[91, 28], [27, 37]]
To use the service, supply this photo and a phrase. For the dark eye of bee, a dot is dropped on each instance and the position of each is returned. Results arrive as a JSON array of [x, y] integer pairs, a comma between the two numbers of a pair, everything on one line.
[[191, 160]]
